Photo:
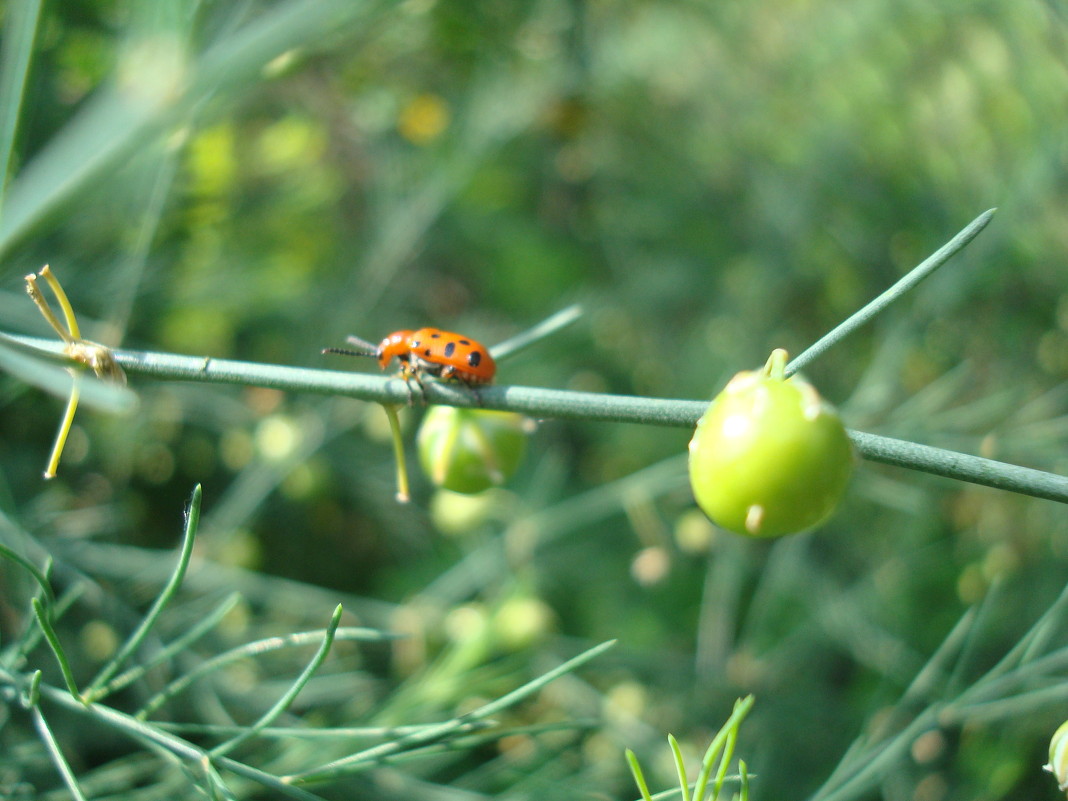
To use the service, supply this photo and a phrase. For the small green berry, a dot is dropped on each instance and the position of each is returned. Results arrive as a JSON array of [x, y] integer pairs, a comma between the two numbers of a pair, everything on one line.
[[769, 456], [457, 515], [471, 450], [522, 621], [1058, 756]]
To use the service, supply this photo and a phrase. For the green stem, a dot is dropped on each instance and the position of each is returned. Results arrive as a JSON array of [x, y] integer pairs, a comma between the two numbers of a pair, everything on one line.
[[96, 690], [775, 368], [33, 692], [909, 281], [1010, 688], [680, 767], [20, 29], [555, 403], [31, 636], [306, 733], [1036, 638], [357, 762], [461, 742], [57, 649], [961, 466], [639, 776], [44, 731], [176, 646], [404, 493], [550, 325], [55, 378], [38, 575], [724, 763], [722, 742], [250, 649], [287, 698], [138, 730]]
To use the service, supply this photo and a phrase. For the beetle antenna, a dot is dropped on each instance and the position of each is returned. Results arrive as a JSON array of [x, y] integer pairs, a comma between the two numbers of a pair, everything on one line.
[[362, 348], [346, 352]]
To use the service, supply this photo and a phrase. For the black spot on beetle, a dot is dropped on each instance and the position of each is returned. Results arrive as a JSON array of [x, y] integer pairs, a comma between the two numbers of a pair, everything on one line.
[[465, 341], [474, 358], [450, 349], [435, 336], [427, 353]]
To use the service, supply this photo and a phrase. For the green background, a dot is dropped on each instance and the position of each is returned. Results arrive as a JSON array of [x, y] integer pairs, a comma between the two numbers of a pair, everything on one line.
[[710, 181]]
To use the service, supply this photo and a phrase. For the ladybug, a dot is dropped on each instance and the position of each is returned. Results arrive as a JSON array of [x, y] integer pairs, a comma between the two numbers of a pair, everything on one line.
[[429, 351]]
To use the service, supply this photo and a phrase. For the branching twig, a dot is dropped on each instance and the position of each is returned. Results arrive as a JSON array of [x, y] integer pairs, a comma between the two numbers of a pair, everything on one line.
[[559, 404], [899, 289]]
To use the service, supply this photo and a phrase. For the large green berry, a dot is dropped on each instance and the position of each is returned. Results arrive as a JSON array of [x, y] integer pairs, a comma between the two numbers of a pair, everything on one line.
[[769, 456], [470, 450]]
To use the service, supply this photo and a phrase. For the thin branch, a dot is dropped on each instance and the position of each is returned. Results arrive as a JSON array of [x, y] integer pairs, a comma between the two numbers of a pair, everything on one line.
[[722, 747], [548, 326], [354, 763], [287, 698], [961, 466], [57, 648], [20, 30], [908, 282], [176, 646], [145, 732], [255, 648], [554, 403], [31, 635], [40, 576], [680, 766], [44, 731], [95, 689], [308, 732], [639, 776]]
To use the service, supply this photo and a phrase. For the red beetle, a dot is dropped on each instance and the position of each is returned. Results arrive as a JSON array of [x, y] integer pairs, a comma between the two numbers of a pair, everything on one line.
[[429, 351]]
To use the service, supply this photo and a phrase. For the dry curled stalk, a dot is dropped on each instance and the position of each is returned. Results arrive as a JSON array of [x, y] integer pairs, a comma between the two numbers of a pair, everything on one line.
[[96, 357]]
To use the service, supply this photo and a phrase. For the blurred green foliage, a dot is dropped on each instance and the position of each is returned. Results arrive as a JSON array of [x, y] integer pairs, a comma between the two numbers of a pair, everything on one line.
[[256, 180]]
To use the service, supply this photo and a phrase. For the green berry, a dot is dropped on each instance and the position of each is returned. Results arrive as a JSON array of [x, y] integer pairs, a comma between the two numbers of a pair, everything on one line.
[[769, 456], [471, 450], [1058, 756]]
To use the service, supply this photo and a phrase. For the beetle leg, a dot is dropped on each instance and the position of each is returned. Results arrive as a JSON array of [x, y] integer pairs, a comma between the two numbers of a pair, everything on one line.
[[408, 373], [476, 393]]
